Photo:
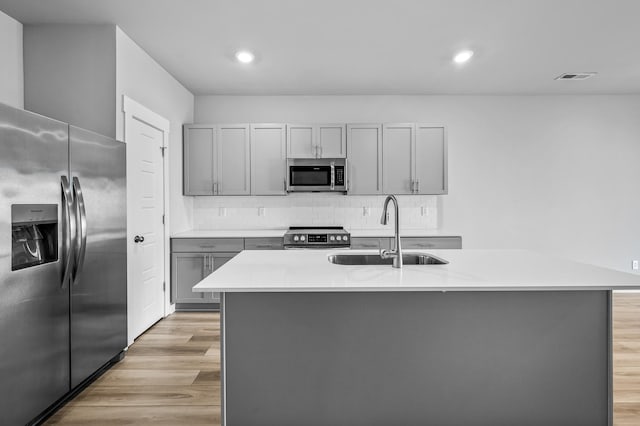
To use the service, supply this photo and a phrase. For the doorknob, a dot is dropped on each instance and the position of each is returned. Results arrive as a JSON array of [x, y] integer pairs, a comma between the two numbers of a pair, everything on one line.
[[138, 239]]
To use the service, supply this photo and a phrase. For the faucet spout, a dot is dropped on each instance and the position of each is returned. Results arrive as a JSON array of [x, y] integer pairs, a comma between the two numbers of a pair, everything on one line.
[[396, 253]]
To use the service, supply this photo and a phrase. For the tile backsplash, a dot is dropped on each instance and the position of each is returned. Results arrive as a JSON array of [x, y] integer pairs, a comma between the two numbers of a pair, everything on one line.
[[352, 212]]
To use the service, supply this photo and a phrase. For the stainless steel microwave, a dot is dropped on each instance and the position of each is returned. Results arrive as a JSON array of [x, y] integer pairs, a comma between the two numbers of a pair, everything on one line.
[[316, 175]]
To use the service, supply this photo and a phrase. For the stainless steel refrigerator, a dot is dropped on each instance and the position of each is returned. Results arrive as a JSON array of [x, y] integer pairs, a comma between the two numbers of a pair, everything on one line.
[[63, 281]]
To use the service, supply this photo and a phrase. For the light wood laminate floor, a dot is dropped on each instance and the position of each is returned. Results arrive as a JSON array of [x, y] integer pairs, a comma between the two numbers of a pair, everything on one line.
[[170, 375]]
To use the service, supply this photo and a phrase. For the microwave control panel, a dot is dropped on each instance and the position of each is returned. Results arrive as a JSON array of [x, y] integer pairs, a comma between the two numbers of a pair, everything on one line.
[[339, 175]]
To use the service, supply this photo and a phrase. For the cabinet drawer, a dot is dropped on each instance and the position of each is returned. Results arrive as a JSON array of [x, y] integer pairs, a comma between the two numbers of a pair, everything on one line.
[[207, 244], [370, 243], [271, 243], [431, 243]]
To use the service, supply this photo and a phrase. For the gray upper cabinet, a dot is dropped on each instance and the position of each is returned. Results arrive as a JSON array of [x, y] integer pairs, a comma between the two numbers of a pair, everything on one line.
[[268, 159], [316, 141], [199, 142], [332, 140], [216, 159], [397, 155], [242, 159], [233, 159], [301, 141], [430, 173], [364, 164], [414, 159]]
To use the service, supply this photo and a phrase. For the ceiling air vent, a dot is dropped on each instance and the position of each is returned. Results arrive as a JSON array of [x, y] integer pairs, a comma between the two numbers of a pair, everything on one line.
[[576, 75]]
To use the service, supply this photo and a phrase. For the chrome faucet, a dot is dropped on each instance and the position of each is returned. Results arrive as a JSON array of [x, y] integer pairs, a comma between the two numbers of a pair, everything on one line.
[[396, 253]]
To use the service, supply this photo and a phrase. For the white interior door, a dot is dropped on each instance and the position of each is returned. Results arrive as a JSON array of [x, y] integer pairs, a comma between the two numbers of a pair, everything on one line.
[[145, 188]]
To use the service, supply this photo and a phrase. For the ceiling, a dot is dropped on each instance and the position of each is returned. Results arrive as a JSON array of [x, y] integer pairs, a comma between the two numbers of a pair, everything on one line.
[[359, 47]]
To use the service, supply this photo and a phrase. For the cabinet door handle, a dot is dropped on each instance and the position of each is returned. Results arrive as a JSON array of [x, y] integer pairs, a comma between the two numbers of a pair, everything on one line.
[[211, 263], [206, 266], [417, 186]]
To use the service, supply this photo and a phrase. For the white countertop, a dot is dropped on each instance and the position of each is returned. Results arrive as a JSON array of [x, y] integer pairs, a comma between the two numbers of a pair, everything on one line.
[[468, 270], [257, 233]]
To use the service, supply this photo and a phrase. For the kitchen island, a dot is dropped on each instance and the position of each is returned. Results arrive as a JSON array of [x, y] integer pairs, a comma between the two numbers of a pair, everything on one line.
[[494, 337]]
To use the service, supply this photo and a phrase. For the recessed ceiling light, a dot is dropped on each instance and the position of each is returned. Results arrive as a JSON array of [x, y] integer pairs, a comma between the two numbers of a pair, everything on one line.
[[244, 56], [573, 76], [463, 56]]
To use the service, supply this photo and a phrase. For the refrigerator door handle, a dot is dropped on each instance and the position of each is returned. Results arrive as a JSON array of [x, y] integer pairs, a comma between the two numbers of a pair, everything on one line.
[[81, 241], [70, 228]]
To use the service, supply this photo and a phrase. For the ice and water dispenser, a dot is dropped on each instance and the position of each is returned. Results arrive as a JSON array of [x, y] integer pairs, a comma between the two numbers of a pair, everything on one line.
[[34, 234]]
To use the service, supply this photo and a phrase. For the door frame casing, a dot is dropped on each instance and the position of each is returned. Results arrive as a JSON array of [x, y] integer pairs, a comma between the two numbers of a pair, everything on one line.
[[133, 110]]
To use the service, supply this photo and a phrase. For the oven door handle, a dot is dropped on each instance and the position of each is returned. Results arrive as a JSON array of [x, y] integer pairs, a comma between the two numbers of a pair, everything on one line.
[[333, 175]]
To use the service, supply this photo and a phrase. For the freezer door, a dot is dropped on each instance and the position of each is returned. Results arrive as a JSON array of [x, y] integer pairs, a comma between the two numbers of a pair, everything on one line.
[[99, 289], [34, 305]]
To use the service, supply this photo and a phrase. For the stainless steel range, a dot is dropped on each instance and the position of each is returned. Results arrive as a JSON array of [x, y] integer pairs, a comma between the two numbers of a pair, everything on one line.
[[317, 237]]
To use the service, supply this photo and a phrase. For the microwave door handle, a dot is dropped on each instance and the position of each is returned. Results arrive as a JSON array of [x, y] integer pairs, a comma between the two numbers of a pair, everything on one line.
[[333, 175]]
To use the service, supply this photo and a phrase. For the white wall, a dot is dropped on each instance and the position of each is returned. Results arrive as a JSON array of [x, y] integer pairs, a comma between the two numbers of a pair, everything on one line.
[[142, 79], [558, 174], [69, 73], [11, 69]]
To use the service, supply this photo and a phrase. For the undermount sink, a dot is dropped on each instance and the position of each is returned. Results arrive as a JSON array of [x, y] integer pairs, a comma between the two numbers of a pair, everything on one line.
[[375, 259]]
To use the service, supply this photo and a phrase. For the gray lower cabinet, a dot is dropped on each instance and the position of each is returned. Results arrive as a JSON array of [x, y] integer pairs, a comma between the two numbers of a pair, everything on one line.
[[421, 243], [263, 243], [216, 261], [370, 243], [415, 243], [187, 269], [192, 259]]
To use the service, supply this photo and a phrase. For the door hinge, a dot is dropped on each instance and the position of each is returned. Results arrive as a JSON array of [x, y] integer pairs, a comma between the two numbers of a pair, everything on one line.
[[164, 285], [162, 148], [163, 219]]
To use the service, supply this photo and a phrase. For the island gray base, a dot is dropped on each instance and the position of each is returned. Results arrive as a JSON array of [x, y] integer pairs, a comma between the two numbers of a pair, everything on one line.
[[417, 358]]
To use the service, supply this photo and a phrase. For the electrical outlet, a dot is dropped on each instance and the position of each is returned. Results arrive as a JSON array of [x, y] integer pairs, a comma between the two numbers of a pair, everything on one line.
[[261, 211], [366, 211], [222, 211], [634, 265], [424, 211]]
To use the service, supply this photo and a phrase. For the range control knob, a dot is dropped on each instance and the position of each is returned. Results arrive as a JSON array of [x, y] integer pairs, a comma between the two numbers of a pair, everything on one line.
[[302, 238], [295, 238], [332, 238], [345, 238]]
